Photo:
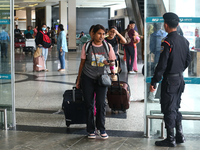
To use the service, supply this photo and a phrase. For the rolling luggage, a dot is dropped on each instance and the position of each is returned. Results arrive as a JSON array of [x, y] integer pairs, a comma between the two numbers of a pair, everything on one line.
[[118, 95], [74, 107], [38, 63]]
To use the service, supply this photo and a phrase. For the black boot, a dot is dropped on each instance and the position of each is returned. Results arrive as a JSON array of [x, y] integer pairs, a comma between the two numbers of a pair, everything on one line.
[[179, 133], [169, 141]]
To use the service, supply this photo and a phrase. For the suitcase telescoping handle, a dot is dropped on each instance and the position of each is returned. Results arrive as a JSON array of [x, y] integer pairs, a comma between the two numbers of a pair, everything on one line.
[[117, 74], [73, 93]]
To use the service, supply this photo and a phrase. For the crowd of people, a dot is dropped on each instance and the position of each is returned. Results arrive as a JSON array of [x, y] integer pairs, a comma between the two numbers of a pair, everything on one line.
[[58, 37]]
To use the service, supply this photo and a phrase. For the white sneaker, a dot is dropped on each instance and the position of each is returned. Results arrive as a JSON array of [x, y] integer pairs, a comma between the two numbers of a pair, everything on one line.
[[131, 72]]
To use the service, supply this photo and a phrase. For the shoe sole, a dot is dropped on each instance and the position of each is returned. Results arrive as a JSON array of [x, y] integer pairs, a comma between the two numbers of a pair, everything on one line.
[[104, 138], [94, 137]]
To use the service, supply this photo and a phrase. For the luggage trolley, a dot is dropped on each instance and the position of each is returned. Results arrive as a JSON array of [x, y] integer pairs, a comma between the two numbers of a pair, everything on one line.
[[30, 46]]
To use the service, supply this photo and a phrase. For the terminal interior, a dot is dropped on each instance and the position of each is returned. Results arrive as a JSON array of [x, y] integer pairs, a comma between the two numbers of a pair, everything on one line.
[[33, 100]]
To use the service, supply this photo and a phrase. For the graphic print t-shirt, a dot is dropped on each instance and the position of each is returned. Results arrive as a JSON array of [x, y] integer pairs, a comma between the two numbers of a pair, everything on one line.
[[90, 68]]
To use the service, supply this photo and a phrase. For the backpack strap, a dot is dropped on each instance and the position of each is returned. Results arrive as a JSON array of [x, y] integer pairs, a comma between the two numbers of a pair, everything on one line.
[[89, 43], [87, 47], [42, 32], [169, 46]]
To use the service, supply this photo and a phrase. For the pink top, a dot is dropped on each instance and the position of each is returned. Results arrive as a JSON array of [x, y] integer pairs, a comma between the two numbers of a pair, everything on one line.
[[35, 31], [111, 53]]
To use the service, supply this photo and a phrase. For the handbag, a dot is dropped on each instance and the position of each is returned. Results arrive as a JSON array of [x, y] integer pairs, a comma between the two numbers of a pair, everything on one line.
[[38, 52], [103, 80]]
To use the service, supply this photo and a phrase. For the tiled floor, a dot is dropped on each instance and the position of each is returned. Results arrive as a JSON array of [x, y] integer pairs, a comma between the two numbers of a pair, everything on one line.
[[41, 125]]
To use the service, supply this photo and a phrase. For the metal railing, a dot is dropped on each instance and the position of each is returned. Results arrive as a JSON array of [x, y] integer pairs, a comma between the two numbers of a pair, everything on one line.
[[5, 117], [148, 117]]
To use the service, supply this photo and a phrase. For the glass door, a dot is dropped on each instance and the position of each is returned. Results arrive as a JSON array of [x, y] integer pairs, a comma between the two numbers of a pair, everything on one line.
[[189, 28], [7, 62]]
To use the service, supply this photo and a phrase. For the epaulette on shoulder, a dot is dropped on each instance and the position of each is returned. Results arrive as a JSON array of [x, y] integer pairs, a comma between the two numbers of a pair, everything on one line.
[[164, 39]]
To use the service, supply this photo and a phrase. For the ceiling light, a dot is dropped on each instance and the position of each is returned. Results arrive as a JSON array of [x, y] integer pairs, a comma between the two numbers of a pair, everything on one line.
[[32, 5], [4, 8], [19, 8]]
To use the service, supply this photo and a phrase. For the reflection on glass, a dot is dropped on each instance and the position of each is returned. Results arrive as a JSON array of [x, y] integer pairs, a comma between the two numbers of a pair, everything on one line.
[[5, 63], [191, 31]]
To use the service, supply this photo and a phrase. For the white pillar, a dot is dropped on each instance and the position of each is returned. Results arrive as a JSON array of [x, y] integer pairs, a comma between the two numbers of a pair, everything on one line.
[[63, 14], [28, 17], [48, 16], [72, 25]]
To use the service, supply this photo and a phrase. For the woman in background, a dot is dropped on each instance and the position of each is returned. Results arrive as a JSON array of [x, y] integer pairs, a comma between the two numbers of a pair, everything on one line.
[[114, 38], [61, 46]]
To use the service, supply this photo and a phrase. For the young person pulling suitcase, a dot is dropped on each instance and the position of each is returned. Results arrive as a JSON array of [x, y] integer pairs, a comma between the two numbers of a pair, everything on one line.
[[93, 63]]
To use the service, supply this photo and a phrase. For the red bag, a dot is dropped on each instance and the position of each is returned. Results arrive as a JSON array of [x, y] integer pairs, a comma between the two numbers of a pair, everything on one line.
[[46, 40]]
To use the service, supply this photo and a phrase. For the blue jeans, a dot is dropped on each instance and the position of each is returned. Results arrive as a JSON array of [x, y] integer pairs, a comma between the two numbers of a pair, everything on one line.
[[62, 59], [45, 54]]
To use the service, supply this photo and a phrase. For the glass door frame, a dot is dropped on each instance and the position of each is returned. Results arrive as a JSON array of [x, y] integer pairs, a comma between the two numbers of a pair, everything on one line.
[[147, 79], [12, 61]]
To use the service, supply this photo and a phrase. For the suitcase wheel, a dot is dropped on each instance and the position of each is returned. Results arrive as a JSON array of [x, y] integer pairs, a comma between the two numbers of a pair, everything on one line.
[[113, 111], [124, 111], [67, 123]]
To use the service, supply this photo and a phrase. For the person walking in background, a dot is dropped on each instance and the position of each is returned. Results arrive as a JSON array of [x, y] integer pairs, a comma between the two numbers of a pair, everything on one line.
[[4, 39], [136, 41], [53, 35], [82, 34], [61, 46], [155, 41], [48, 31], [17, 32], [174, 59], [155, 46], [28, 33], [43, 41], [114, 38], [129, 47], [35, 30], [89, 75]]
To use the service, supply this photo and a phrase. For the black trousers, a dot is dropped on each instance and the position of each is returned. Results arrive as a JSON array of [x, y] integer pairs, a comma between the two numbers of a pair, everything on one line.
[[89, 86], [4, 49], [130, 53], [171, 91]]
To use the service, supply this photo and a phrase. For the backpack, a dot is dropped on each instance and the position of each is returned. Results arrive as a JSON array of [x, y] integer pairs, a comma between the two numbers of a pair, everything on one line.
[[105, 44], [28, 35], [46, 40], [126, 36]]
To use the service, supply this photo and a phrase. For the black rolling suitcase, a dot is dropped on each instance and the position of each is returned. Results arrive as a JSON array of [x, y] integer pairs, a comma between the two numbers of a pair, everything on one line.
[[74, 107]]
